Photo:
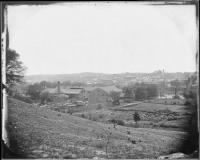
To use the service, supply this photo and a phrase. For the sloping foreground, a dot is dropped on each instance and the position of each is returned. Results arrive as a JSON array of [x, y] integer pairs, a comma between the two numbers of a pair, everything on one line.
[[40, 133]]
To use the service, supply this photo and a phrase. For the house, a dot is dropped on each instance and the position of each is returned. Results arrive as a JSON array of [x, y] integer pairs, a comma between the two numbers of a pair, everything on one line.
[[62, 94], [74, 93], [100, 96]]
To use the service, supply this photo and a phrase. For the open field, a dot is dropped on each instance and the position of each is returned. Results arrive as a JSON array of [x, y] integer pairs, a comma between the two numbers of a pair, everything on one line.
[[169, 101], [171, 117], [151, 107], [41, 133]]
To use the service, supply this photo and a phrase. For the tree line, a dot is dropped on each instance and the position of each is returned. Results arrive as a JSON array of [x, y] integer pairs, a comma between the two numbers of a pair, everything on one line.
[[140, 91]]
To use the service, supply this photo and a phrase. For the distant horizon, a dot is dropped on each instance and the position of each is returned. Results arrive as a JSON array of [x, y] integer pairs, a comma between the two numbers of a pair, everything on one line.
[[102, 73]]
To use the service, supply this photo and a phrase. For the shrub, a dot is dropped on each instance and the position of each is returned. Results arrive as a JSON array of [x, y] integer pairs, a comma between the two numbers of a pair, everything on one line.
[[118, 121]]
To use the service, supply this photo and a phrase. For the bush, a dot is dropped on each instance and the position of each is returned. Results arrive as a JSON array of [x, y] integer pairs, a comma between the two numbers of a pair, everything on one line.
[[118, 121]]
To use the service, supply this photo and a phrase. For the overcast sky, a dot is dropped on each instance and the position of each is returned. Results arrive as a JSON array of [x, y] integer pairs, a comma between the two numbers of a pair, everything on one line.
[[103, 37]]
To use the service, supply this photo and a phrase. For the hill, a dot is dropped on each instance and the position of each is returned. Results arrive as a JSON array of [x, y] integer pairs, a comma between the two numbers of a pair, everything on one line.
[[41, 133], [87, 76]]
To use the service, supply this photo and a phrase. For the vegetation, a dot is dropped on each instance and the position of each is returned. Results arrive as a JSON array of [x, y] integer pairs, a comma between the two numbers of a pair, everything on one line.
[[117, 121], [34, 91], [136, 117], [191, 144], [146, 91], [14, 67], [140, 91], [128, 92], [45, 97], [56, 132], [23, 98]]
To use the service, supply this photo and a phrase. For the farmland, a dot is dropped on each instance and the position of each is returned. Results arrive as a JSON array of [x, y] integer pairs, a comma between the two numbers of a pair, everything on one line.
[[36, 132]]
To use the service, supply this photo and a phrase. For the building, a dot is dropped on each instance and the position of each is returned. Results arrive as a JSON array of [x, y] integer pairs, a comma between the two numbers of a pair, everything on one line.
[[62, 94], [74, 93], [100, 96]]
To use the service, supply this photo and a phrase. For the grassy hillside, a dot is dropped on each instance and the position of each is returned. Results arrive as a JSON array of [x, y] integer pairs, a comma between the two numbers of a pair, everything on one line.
[[41, 133]]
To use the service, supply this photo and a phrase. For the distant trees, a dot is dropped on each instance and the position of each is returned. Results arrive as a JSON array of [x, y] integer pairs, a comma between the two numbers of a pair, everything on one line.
[[140, 91], [128, 92], [34, 91], [146, 91], [66, 83], [46, 84], [14, 67], [78, 84]]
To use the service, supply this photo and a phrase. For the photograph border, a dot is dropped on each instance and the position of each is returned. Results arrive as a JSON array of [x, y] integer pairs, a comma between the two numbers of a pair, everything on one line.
[[5, 42]]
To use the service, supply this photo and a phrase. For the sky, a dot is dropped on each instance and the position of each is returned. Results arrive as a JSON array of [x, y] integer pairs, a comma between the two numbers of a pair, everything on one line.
[[103, 37]]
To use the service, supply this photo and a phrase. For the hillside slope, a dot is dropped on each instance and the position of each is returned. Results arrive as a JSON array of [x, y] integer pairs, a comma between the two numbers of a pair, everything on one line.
[[40, 133]]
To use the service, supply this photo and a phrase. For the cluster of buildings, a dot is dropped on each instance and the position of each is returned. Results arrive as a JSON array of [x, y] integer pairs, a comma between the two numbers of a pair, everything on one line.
[[93, 96]]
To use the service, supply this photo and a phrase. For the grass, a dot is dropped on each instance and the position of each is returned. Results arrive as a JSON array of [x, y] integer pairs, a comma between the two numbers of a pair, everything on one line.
[[171, 116], [31, 127], [150, 107], [168, 101]]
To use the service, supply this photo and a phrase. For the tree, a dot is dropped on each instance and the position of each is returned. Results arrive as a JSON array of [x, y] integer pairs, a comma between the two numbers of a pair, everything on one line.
[[45, 97], [152, 91], [34, 91], [140, 93], [136, 117], [146, 91], [14, 67], [128, 92]]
